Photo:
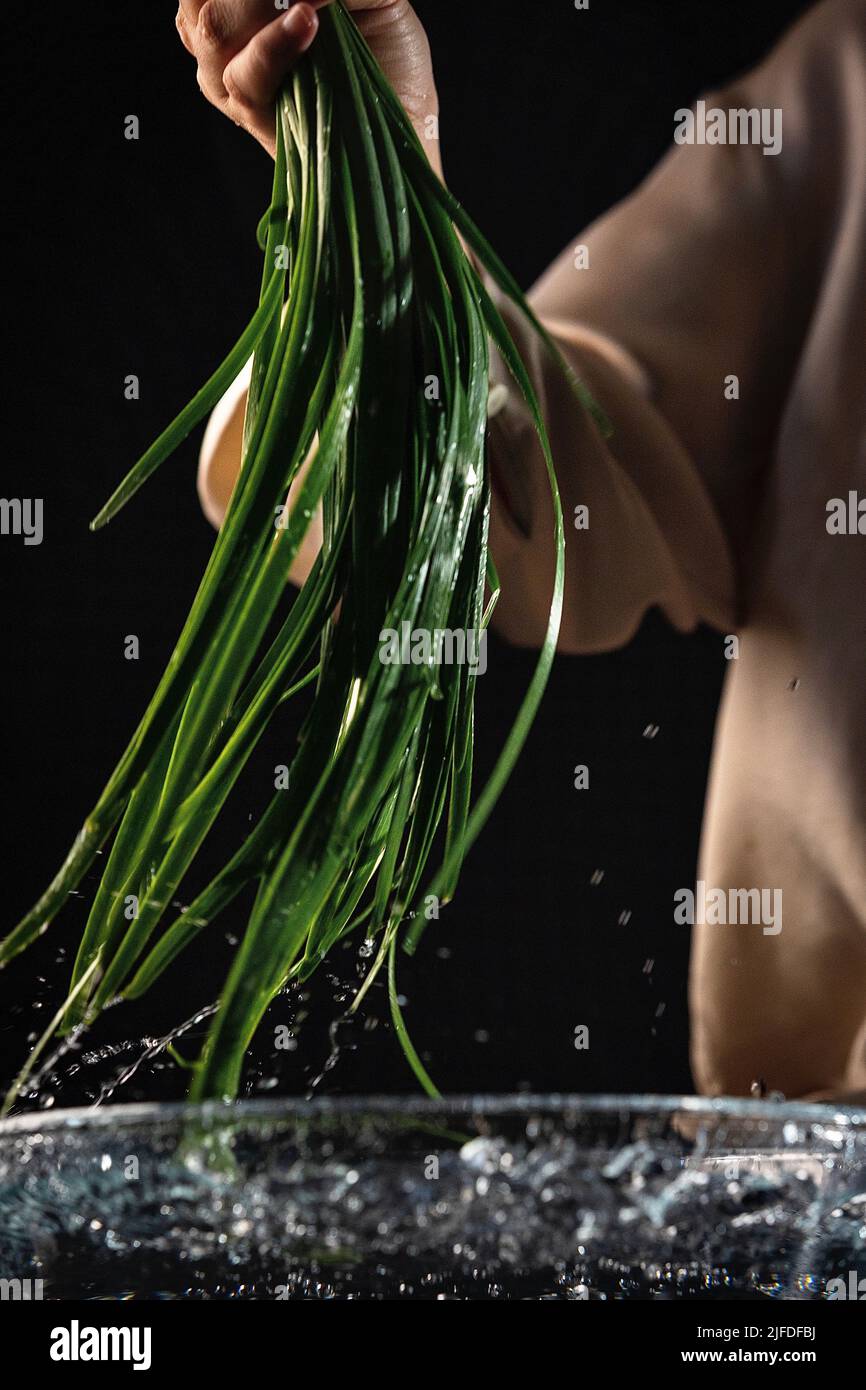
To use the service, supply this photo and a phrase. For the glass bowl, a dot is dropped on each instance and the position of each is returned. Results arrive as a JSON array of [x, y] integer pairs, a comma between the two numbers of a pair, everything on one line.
[[504, 1197]]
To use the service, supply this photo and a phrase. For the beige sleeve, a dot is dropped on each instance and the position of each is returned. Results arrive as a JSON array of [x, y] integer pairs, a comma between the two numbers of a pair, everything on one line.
[[685, 312], [221, 449], [640, 527]]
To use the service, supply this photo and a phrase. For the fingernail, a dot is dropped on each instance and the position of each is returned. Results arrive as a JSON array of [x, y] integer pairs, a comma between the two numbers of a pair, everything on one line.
[[300, 22]]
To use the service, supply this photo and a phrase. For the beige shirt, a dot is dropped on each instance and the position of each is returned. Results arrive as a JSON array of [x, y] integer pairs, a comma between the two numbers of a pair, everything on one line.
[[729, 262]]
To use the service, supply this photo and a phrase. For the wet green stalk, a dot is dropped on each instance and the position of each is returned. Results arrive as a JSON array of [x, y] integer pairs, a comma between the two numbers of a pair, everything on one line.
[[366, 293]]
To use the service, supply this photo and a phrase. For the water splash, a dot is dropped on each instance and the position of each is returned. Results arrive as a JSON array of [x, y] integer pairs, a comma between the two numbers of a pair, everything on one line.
[[515, 1199]]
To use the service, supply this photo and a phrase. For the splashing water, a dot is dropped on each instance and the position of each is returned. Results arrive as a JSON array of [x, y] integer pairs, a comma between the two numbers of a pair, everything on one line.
[[515, 1198]]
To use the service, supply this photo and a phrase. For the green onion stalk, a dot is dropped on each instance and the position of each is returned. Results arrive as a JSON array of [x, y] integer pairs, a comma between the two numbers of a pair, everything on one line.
[[367, 290]]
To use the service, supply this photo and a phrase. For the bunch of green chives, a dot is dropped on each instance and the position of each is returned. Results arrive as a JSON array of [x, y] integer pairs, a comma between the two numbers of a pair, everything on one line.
[[366, 292]]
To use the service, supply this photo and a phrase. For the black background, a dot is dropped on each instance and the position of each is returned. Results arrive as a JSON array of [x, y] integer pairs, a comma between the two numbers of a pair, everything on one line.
[[141, 257]]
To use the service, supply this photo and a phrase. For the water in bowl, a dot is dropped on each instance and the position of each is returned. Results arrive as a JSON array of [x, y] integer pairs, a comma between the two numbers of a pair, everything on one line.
[[521, 1198]]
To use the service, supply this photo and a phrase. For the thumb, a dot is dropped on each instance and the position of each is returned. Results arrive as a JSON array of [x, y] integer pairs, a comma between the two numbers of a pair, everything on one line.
[[254, 76]]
